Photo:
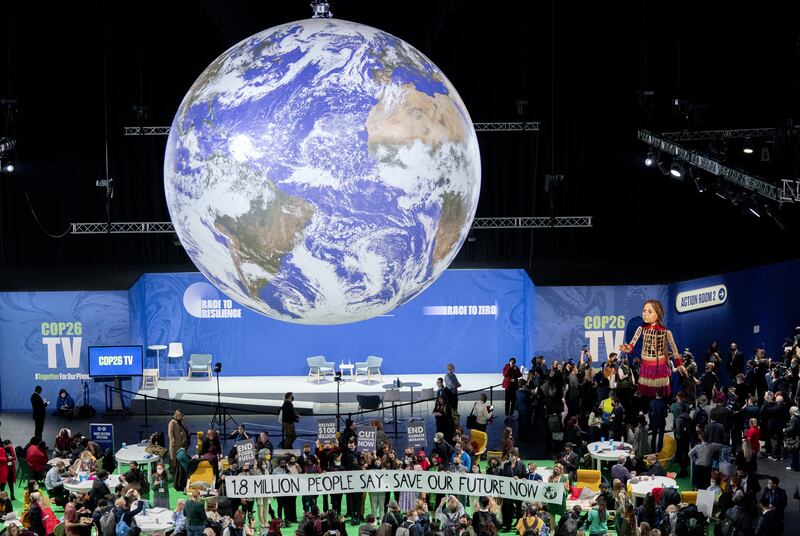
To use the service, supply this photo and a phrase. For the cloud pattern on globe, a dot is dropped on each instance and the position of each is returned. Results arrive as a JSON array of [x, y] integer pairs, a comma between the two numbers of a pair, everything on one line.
[[322, 172]]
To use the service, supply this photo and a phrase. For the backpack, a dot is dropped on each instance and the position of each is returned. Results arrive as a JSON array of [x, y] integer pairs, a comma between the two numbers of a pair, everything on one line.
[[691, 522], [670, 496], [404, 529], [122, 528], [108, 523], [684, 427]]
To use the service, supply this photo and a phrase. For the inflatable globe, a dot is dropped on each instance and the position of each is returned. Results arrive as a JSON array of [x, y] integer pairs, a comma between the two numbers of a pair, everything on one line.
[[322, 172]]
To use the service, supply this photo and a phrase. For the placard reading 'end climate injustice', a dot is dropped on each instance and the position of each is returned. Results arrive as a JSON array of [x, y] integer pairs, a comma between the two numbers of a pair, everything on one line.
[[376, 481]]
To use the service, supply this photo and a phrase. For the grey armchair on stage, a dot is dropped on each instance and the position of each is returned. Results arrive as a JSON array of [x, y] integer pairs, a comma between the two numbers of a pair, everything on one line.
[[370, 368], [317, 366]]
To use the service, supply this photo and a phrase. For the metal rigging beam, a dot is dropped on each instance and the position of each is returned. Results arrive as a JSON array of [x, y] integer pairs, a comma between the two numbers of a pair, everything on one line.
[[735, 176], [732, 133], [166, 227], [495, 126]]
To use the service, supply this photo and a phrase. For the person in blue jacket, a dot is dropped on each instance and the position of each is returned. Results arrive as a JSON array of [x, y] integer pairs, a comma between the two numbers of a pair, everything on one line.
[[65, 406]]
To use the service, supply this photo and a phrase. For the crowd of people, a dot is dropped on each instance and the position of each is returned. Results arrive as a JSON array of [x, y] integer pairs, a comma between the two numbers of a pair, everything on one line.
[[724, 421]]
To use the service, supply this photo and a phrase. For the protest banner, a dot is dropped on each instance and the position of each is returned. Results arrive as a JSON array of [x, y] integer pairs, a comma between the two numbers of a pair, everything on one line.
[[377, 481]]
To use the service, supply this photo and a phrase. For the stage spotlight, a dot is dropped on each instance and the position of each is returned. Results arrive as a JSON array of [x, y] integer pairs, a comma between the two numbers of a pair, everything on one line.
[[8, 167], [650, 159], [676, 170], [747, 148], [754, 212], [721, 196]]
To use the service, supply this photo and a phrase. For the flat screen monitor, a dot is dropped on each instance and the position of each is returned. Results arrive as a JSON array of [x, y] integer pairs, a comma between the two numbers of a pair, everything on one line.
[[114, 361]]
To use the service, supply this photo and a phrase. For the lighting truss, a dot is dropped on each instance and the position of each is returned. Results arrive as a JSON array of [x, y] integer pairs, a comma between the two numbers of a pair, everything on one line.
[[518, 126], [166, 227], [733, 133], [735, 176], [534, 222]]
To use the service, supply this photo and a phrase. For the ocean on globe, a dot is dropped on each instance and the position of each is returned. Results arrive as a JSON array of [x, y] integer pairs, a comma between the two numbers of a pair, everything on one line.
[[322, 172]]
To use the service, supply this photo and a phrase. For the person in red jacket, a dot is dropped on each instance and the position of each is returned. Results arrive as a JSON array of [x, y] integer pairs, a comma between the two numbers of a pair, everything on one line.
[[511, 374], [11, 457], [753, 435], [36, 456], [4, 468]]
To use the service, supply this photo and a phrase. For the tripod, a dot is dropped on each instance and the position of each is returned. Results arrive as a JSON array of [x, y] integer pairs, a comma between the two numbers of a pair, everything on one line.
[[221, 415]]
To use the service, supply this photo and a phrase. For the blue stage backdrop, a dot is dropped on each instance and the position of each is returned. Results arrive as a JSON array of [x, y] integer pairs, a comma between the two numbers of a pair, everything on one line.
[[44, 337], [599, 317], [475, 318], [761, 308]]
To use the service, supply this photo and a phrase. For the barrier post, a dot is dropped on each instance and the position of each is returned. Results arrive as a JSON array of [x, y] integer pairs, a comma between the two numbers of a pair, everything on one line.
[[491, 395], [146, 416]]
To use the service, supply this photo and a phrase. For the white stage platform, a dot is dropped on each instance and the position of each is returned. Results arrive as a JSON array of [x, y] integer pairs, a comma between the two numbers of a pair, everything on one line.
[[267, 392]]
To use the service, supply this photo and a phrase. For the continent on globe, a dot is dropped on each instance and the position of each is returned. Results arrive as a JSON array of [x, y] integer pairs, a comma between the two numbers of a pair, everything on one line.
[[322, 171]]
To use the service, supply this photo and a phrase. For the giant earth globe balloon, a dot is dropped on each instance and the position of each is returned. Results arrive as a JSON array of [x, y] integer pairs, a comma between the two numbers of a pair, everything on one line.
[[322, 172]]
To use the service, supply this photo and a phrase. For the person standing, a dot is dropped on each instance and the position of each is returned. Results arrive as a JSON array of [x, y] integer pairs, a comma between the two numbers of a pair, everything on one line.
[[195, 513], [511, 375], [39, 408], [735, 363], [482, 413], [288, 418], [657, 413], [451, 384], [178, 437]]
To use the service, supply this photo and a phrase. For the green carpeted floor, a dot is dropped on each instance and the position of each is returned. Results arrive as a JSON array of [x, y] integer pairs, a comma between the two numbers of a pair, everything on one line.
[[175, 496]]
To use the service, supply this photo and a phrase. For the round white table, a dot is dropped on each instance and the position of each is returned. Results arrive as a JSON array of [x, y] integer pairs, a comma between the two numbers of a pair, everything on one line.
[[601, 451], [157, 348], [411, 386], [643, 487], [157, 521], [136, 453], [86, 485]]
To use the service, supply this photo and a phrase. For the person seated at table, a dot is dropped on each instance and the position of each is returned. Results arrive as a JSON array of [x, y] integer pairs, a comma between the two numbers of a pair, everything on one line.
[[99, 487], [84, 463], [179, 519], [135, 479], [77, 518], [620, 472], [54, 482], [5, 505], [93, 448], [84, 501], [63, 443], [569, 460], [656, 468], [65, 406], [36, 456]]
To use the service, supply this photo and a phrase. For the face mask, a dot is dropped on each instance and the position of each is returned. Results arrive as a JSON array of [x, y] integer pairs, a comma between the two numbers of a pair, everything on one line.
[[378, 465], [337, 464]]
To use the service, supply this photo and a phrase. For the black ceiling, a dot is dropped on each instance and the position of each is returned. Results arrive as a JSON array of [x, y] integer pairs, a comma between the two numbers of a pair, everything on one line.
[[580, 68]]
